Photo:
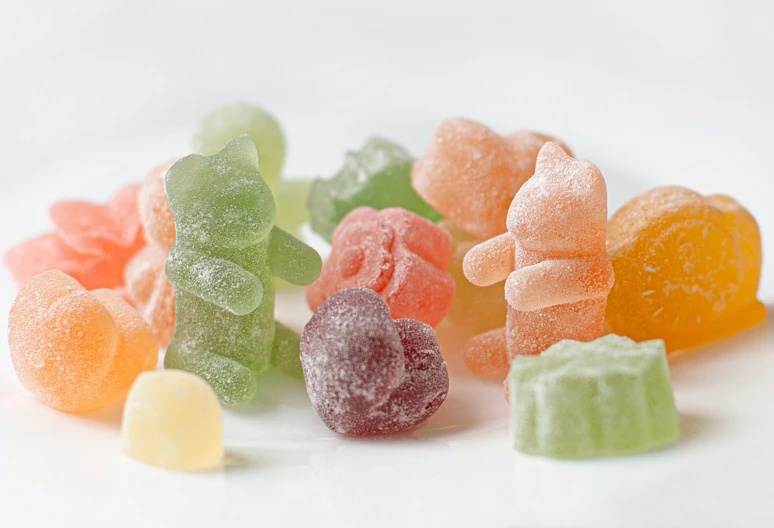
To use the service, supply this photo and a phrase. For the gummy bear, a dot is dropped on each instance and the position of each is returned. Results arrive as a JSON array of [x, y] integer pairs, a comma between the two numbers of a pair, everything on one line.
[[608, 397], [475, 309], [377, 176], [146, 280], [226, 255], [396, 253], [227, 122], [77, 350], [290, 197], [172, 419], [687, 268], [553, 256], [470, 173], [92, 243], [367, 374]]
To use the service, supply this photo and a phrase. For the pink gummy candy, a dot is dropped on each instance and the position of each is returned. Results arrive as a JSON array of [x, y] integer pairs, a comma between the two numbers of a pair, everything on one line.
[[367, 374], [396, 253], [146, 281], [92, 243]]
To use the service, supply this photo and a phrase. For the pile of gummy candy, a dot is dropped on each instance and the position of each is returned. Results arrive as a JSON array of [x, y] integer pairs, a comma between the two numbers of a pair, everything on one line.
[[504, 237]]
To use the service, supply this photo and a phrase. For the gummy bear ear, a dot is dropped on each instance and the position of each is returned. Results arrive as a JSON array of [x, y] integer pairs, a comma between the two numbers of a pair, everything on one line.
[[240, 150], [186, 175]]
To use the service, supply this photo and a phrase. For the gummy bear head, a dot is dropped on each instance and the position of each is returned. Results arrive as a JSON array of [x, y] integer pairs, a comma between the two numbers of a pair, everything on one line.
[[562, 209], [221, 200]]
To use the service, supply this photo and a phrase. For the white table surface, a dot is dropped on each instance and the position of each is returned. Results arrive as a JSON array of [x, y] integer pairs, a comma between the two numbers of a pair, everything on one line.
[[93, 94]]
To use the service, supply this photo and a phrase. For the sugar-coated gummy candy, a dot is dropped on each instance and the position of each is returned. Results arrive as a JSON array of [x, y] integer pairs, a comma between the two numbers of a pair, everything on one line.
[[172, 419], [396, 253], [77, 350], [554, 258], [223, 264], [687, 268], [470, 174], [367, 374], [607, 397], [475, 309], [377, 176], [91, 242], [146, 281], [225, 123]]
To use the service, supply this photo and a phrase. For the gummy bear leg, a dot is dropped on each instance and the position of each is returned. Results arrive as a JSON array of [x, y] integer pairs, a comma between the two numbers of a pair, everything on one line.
[[286, 350], [234, 383], [486, 355]]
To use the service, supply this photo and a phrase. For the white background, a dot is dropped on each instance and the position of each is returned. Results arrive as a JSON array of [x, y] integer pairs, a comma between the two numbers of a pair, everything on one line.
[[93, 94]]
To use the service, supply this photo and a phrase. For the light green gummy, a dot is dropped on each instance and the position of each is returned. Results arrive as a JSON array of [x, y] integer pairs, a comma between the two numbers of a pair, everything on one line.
[[608, 397], [377, 176], [225, 123], [290, 196], [226, 256]]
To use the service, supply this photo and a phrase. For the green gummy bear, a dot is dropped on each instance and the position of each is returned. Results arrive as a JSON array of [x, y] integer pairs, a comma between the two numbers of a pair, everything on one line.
[[608, 397], [226, 256], [225, 123], [378, 176], [290, 196]]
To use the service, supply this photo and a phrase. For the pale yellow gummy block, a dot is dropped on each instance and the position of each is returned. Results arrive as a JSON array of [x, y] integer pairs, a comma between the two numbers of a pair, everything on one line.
[[172, 419]]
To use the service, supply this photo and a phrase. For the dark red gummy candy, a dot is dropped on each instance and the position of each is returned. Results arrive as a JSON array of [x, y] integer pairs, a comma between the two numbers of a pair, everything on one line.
[[367, 374]]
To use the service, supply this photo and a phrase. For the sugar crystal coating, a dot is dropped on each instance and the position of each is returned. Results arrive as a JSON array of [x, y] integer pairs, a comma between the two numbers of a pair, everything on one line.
[[172, 419], [687, 268], [92, 242], [226, 122], [223, 264], [367, 374], [77, 350], [396, 253], [377, 176], [553, 256], [607, 397], [470, 174]]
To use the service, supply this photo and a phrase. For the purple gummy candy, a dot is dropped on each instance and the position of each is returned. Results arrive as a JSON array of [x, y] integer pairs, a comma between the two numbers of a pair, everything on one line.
[[367, 374]]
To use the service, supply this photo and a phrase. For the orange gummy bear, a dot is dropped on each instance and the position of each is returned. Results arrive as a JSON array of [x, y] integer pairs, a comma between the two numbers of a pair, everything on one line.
[[146, 280], [474, 309], [470, 173], [553, 256], [687, 268], [77, 350]]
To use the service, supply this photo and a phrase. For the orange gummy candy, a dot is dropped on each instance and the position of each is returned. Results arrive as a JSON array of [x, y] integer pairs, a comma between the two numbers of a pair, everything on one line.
[[687, 268], [470, 173], [146, 280], [474, 309], [553, 256], [77, 350], [92, 242]]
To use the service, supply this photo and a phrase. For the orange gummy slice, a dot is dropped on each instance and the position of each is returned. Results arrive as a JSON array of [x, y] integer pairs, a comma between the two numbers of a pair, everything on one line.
[[687, 268]]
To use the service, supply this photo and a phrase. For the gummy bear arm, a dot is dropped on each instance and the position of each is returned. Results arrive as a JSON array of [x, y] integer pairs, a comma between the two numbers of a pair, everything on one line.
[[292, 260], [489, 262], [555, 282], [216, 280]]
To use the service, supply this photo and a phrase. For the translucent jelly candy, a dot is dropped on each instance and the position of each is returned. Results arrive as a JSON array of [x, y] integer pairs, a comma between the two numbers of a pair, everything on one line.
[[378, 176], [146, 280], [229, 121], [77, 350], [397, 254], [582, 400], [172, 419], [223, 264], [367, 374], [554, 258], [474, 309], [92, 243], [687, 268], [290, 197], [470, 173]]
